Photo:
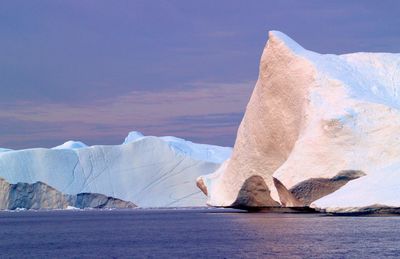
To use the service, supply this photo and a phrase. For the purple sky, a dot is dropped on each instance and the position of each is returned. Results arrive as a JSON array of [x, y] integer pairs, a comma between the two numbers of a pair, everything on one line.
[[95, 70]]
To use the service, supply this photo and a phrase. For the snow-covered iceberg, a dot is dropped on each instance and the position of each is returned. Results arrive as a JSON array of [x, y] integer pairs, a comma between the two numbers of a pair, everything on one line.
[[147, 171], [319, 130]]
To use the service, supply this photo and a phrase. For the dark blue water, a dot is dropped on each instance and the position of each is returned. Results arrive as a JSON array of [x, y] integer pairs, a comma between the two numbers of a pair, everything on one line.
[[194, 234]]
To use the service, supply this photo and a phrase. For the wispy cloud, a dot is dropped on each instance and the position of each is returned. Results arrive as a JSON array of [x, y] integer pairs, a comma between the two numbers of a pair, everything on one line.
[[204, 111], [93, 70], [222, 34]]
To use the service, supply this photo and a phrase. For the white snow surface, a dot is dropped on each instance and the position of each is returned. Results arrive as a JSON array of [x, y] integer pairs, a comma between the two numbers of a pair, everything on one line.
[[203, 152], [148, 171], [369, 191], [313, 115], [71, 144], [133, 136]]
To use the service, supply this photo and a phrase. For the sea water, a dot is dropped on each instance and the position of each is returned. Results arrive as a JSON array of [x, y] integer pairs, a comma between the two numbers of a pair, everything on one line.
[[194, 233]]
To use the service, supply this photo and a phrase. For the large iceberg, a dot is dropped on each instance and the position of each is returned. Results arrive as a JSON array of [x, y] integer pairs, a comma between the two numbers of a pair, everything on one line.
[[319, 130], [147, 171]]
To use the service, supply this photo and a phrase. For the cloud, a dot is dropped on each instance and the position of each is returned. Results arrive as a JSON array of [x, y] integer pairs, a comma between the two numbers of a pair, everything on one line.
[[94, 71], [222, 34], [203, 111]]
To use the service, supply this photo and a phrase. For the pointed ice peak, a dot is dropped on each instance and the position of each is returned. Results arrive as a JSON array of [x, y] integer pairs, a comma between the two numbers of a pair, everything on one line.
[[133, 136], [71, 144], [277, 37]]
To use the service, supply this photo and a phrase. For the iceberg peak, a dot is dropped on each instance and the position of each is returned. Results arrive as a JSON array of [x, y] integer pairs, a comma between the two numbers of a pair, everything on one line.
[[279, 38], [71, 144], [133, 136]]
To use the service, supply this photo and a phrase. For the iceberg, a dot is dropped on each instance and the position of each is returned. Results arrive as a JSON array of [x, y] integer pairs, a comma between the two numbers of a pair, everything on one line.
[[320, 130], [146, 171], [41, 196]]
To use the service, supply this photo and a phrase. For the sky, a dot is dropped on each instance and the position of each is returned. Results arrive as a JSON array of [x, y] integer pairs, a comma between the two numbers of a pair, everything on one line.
[[95, 70]]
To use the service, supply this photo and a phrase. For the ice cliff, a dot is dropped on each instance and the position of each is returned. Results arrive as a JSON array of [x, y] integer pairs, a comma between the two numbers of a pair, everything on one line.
[[319, 130], [147, 171], [41, 196]]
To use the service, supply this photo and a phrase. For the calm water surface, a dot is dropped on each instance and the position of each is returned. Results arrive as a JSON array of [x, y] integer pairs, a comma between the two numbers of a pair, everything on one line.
[[194, 233]]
